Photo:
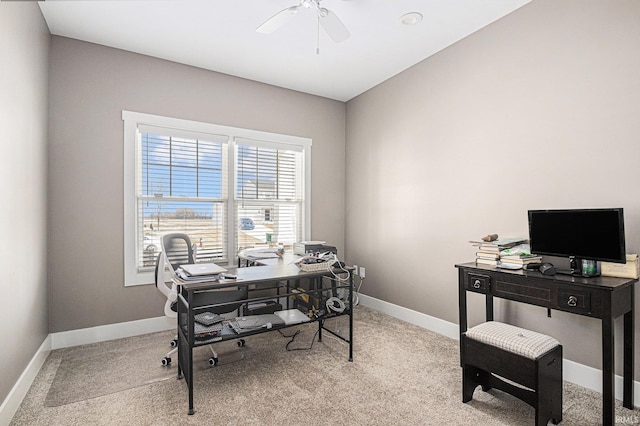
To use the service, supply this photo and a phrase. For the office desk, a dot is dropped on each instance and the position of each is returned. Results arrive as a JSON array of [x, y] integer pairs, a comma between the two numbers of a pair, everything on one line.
[[282, 271], [605, 298]]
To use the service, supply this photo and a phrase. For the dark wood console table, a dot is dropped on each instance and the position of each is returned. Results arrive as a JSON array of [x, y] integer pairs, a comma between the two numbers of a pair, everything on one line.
[[605, 298]]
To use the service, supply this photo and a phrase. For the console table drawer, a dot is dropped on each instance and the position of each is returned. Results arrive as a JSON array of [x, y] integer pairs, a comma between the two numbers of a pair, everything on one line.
[[521, 291], [572, 300], [478, 283]]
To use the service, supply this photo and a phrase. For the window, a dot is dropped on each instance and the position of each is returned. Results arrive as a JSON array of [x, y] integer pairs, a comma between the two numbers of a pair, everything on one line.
[[227, 188], [267, 180]]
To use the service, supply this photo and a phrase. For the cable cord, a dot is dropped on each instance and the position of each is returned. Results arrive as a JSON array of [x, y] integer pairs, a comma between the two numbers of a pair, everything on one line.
[[293, 337], [336, 276], [334, 304], [356, 299]]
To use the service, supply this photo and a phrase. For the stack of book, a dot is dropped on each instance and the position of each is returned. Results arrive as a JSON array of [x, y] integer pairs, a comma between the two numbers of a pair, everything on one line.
[[489, 252], [520, 260]]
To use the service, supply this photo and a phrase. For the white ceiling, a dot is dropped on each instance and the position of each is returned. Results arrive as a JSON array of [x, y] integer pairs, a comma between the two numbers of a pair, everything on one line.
[[220, 35]]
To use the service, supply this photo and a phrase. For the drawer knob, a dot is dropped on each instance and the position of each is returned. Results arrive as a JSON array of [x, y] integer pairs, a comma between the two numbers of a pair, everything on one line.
[[572, 301], [476, 284]]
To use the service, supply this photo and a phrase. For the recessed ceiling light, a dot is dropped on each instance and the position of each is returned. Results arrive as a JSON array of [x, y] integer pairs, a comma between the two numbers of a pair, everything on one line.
[[411, 18]]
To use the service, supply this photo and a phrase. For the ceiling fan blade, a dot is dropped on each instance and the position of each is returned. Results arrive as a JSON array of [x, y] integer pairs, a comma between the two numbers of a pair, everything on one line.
[[333, 26], [278, 20]]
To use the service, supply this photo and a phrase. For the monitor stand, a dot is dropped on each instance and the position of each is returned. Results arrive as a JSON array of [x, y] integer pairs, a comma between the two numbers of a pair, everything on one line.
[[580, 268], [568, 272]]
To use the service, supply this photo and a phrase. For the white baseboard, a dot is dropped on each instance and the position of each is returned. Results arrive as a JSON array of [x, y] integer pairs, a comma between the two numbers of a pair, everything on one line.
[[103, 333], [13, 400], [579, 374], [437, 325]]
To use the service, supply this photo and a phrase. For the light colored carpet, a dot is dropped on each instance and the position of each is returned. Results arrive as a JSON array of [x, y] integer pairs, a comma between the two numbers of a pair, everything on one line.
[[401, 374]]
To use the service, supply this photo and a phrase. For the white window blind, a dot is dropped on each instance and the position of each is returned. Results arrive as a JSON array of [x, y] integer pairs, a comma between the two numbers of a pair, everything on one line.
[[269, 192], [182, 188], [227, 188]]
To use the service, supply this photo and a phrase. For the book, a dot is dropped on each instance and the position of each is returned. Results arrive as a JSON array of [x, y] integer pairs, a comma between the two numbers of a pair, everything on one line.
[[488, 255], [491, 262], [521, 260], [489, 248]]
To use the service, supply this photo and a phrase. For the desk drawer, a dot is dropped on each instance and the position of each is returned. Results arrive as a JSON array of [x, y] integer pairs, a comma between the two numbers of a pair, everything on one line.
[[478, 283], [572, 300], [523, 292], [550, 295]]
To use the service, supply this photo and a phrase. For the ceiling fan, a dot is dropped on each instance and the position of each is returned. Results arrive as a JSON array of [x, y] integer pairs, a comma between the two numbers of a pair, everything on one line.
[[328, 20]]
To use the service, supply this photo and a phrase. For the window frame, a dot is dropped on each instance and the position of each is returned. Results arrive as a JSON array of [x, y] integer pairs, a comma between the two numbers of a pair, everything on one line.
[[132, 122]]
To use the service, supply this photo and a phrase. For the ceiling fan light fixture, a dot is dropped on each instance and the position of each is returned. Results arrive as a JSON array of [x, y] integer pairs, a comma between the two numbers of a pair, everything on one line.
[[411, 18], [328, 20], [278, 20]]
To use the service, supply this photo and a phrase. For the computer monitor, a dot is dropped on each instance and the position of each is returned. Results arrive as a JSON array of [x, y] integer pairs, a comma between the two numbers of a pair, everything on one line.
[[591, 234]]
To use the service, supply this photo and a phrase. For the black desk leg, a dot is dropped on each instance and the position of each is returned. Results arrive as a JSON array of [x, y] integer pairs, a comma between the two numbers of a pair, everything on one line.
[[351, 317], [462, 302], [462, 315], [191, 340], [608, 397], [629, 337]]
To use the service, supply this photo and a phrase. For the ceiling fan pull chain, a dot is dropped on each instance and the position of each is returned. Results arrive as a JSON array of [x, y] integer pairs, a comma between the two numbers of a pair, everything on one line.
[[318, 37]]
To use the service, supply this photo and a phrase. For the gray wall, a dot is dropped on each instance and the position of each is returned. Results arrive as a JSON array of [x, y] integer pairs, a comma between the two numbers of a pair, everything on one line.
[[538, 110], [90, 86], [24, 51]]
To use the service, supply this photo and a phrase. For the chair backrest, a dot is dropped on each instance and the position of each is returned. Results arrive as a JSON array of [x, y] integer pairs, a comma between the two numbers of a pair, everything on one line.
[[159, 273], [178, 249], [161, 283]]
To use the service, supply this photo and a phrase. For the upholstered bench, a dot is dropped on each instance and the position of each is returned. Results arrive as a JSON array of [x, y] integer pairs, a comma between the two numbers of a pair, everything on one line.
[[493, 351]]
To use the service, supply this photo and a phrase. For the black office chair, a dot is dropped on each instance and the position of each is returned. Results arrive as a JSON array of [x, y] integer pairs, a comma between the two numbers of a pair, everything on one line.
[[177, 250]]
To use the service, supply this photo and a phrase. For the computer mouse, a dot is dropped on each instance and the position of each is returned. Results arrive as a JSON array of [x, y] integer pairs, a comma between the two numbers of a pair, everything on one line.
[[547, 269]]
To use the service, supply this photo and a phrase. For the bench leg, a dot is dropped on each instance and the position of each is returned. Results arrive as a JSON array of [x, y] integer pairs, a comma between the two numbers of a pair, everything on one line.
[[549, 392], [469, 382], [472, 377]]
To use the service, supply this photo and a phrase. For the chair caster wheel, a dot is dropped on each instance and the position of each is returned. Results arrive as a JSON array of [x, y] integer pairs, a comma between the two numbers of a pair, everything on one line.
[[166, 360], [174, 343], [241, 343], [213, 361]]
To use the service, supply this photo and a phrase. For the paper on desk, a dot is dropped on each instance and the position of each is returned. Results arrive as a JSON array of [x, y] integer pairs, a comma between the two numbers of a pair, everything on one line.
[[270, 253]]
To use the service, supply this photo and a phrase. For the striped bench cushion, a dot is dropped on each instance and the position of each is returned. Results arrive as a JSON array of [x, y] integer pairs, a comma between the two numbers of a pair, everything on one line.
[[513, 339]]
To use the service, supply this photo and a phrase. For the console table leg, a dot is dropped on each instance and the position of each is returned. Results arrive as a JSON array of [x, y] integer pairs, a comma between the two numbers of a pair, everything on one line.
[[629, 337], [608, 397]]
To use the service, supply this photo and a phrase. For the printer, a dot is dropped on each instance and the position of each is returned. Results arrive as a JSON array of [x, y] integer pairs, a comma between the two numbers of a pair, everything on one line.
[[305, 247]]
